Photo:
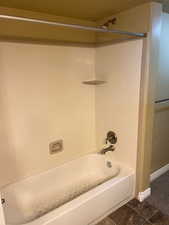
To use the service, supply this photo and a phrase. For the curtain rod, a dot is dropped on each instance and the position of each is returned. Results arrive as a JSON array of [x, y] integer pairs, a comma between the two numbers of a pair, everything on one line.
[[162, 100], [76, 26]]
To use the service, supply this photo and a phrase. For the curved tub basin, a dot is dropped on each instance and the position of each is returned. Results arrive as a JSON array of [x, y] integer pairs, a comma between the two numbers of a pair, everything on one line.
[[76, 193]]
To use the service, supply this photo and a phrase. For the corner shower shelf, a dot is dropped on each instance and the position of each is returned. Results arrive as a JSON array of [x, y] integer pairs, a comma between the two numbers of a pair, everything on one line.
[[94, 82]]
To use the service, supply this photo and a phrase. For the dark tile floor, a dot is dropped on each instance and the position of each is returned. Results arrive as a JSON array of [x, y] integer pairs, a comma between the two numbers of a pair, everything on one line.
[[160, 193], [136, 213], [153, 211]]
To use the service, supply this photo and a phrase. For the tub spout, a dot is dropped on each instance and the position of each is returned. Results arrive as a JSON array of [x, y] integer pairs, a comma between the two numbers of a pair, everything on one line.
[[111, 148]]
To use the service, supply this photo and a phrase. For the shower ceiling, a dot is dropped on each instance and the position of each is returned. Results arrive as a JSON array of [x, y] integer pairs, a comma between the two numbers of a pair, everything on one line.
[[81, 9]]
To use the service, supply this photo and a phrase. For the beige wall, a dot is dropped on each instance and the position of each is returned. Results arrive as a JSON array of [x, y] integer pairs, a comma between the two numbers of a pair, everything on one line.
[[147, 19], [135, 20], [160, 154], [117, 102], [144, 18], [42, 100], [162, 89], [26, 31]]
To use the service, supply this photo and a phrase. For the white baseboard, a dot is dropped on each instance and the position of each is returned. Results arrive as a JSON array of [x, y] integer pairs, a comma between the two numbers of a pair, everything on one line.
[[159, 172], [143, 195]]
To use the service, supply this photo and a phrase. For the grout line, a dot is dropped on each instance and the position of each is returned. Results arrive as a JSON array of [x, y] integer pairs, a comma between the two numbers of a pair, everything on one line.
[[146, 219], [147, 222], [137, 214], [114, 223]]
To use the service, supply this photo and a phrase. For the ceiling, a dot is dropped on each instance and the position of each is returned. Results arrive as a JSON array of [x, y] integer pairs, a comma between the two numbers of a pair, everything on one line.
[[81, 9]]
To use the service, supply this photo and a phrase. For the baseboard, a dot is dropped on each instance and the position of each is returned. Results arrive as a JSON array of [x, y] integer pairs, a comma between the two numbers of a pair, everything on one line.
[[159, 172], [143, 195]]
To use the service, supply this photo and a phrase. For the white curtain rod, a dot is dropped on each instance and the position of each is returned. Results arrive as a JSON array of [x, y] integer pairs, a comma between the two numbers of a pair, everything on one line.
[[76, 26]]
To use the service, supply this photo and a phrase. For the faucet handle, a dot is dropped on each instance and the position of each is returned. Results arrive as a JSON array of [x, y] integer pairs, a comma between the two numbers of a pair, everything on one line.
[[111, 137]]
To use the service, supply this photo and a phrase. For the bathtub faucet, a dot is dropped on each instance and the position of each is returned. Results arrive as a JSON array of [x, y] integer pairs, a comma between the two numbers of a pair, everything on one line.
[[110, 139], [111, 148]]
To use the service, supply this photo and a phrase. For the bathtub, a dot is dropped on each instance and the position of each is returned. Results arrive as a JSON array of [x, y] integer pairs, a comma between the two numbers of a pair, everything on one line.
[[80, 192]]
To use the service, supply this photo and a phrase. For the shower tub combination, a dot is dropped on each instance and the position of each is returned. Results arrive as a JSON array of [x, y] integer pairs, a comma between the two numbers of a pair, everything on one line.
[[80, 192]]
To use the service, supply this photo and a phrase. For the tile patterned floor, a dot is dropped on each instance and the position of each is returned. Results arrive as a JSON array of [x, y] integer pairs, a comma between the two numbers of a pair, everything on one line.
[[160, 193], [153, 211], [136, 213]]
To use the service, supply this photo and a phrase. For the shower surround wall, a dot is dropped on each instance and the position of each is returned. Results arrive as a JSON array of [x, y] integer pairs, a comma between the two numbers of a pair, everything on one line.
[[117, 102], [43, 100]]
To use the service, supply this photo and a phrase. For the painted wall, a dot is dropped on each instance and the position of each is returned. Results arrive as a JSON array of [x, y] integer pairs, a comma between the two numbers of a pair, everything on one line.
[[42, 100], [148, 81], [143, 18], [136, 19], [117, 102], [33, 32], [86, 10], [160, 154]]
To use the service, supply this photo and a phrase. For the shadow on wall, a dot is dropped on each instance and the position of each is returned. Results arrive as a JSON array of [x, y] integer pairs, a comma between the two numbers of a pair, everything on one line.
[[8, 165], [162, 108]]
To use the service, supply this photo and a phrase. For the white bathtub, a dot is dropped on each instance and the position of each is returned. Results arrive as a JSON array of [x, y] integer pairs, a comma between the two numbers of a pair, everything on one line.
[[80, 192]]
